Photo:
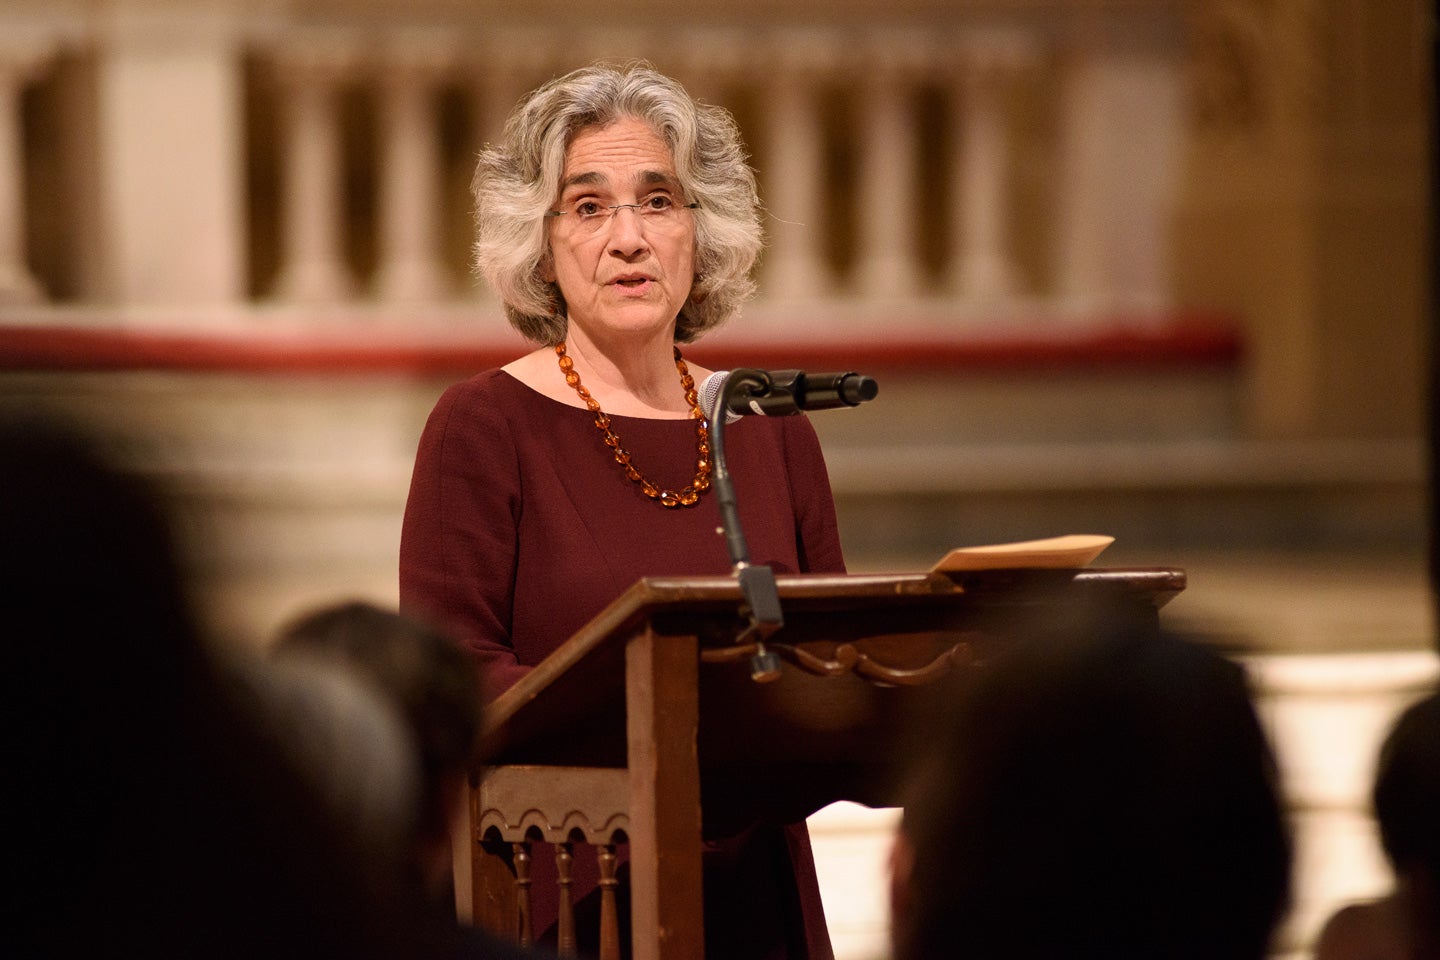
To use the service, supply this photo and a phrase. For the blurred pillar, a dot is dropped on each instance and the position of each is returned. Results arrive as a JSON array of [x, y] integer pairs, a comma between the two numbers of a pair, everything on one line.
[[410, 266], [171, 152], [1122, 129], [504, 71], [981, 267], [712, 59], [313, 268], [794, 148], [885, 201], [498, 81], [17, 284]]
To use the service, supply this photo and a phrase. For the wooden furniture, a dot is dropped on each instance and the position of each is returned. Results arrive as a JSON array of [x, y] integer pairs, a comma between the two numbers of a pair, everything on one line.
[[646, 727]]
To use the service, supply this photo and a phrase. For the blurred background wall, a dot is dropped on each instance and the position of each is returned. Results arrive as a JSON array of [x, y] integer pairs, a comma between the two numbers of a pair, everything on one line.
[[1151, 268]]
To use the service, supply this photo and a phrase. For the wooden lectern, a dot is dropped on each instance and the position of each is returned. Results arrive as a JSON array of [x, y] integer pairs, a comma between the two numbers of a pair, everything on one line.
[[646, 727]]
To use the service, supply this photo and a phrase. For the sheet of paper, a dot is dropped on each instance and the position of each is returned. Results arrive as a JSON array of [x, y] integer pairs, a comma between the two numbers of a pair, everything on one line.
[[1073, 551]]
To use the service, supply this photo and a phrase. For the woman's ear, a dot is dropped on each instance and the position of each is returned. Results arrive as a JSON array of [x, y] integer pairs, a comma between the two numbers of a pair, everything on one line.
[[546, 268]]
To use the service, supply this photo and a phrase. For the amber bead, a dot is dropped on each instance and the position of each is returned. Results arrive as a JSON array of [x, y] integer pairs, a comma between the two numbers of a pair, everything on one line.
[[669, 499]]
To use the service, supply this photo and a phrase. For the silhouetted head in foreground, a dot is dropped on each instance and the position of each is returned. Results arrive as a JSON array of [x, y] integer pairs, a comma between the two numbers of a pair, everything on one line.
[[431, 682], [1112, 796], [1407, 805], [154, 811]]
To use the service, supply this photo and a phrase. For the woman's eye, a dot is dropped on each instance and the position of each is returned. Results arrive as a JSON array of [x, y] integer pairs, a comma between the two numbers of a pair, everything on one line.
[[659, 202], [587, 208]]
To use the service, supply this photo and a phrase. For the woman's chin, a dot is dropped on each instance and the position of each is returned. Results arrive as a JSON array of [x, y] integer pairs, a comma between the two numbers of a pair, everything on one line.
[[630, 317]]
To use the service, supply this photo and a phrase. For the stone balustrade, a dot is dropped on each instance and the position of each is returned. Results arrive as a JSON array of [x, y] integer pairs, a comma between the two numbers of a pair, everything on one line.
[[302, 155]]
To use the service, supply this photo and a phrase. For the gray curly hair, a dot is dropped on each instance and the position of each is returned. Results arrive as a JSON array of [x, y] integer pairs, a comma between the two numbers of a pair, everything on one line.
[[516, 183]]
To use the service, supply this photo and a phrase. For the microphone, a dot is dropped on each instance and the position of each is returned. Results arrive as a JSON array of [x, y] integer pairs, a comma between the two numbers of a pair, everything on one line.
[[777, 394], [782, 393]]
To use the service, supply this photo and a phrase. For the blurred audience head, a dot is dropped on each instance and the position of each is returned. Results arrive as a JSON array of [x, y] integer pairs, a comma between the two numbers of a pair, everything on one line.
[[1407, 806], [1111, 796], [99, 646], [154, 809], [425, 676]]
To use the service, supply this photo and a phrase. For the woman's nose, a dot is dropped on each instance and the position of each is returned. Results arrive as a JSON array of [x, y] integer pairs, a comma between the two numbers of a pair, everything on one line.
[[627, 230]]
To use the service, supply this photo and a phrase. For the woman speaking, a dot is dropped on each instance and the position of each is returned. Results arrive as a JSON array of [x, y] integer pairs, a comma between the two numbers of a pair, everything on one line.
[[617, 220]]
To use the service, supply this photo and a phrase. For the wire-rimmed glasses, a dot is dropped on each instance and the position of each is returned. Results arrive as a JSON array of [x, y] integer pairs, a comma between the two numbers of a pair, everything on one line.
[[588, 216]]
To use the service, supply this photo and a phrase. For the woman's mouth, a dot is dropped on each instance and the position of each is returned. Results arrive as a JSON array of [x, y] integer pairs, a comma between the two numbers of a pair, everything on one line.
[[634, 284]]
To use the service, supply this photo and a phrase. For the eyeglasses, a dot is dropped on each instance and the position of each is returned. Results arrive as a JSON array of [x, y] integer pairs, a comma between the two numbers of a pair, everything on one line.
[[657, 210]]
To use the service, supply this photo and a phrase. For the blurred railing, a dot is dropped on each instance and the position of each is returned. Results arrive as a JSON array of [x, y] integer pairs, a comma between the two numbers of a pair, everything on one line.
[[223, 159]]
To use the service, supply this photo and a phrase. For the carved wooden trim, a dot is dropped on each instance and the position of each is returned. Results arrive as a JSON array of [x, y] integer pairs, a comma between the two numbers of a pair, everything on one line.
[[848, 658], [524, 802]]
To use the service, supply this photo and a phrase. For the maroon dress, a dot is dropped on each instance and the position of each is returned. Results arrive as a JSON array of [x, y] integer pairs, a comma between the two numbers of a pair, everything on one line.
[[520, 527]]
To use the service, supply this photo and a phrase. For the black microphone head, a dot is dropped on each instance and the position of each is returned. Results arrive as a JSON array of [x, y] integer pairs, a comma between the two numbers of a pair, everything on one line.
[[856, 388], [827, 391]]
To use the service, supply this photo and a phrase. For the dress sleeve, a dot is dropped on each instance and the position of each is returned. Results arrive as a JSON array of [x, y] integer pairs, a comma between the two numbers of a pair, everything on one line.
[[458, 541], [817, 534]]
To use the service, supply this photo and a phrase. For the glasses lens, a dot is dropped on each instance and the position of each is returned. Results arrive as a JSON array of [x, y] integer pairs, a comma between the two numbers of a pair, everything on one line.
[[588, 218]]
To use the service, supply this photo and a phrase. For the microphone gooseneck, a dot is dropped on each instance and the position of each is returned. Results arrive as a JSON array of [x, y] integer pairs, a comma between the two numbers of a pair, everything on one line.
[[718, 393], [735, 393], [757, 584]]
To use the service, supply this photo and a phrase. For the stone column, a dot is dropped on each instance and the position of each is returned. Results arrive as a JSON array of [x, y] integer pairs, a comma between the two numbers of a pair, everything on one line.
[[17, 65], [982, 270], [505, 72], [496, 91], [794, 171], [411, 267], [885, 196], [313, 268], [171, 150], [713, 59], [1122, 129]]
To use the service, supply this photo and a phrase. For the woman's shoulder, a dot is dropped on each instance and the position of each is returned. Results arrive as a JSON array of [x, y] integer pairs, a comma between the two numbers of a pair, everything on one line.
[[476, 428], [486, 384], [489, 394], [478, 409], [784, 446], [794, 435]]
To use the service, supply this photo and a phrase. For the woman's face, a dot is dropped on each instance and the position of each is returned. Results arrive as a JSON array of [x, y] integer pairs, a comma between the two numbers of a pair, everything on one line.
[[627, 270]]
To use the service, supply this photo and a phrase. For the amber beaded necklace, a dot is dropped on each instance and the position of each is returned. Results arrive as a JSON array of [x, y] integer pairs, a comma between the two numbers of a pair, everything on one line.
[[669, 499]]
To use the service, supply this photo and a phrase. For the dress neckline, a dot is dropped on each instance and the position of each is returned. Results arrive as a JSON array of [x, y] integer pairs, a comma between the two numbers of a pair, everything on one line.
[[584, 411]]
